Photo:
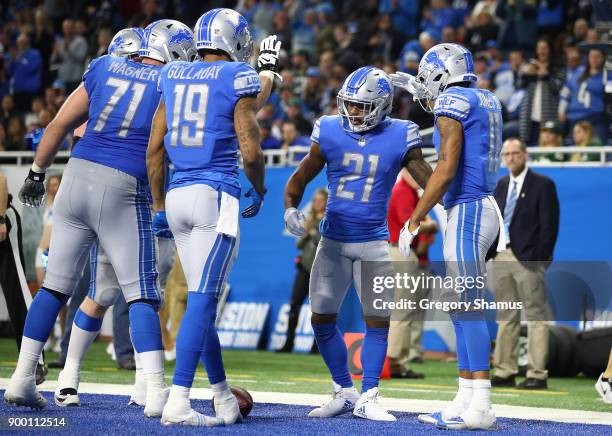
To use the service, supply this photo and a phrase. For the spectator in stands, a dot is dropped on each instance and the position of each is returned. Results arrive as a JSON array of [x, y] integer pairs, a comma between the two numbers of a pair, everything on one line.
[[312, 93], [583, 137], [582, 97], [150, 11], [5, 81], [324, 29], [282, 29], [542, 82], [412, 51], [449, 35], [42, 39], [346, 44], [304, 33], [15, 134], [573, 61], [551, 135], [268, 142], [484, 30], [294, 114], [519, 26], [404, 15], [292, 137], [2, 138], [105, 36], [8, 110], [386, 42], [307, 245], [579, 32], [437, 16], [26, 73], [69, 53], [531, 221]]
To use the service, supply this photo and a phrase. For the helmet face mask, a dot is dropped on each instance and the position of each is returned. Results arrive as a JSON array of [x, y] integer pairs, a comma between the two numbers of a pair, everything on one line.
[[364, 100]]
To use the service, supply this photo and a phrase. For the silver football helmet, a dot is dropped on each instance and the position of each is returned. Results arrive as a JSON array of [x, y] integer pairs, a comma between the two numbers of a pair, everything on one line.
[[167, 41], [443, 65], [126, 42], [225, 30], [365, 99]]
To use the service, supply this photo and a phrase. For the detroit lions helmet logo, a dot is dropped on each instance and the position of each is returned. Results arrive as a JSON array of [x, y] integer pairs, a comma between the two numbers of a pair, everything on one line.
[[241, 26], [180, 36], [383, 87]]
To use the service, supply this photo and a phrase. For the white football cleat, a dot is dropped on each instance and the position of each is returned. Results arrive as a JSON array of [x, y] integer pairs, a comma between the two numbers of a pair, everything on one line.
[[471, 419], [603, 386], [452, 411], [429, 418], [367, 407], [66, 391], [139, 390], [227, 408], [156, 399], [181, 413], [22, 391], [343, 400]]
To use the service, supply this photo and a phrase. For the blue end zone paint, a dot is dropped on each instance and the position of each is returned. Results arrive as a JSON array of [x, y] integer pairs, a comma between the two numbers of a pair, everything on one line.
[[109, 414]]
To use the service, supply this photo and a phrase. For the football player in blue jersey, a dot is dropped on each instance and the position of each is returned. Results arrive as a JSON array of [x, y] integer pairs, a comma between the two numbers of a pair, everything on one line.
[[468, 138], [104, 196], [364, 150], [205, 116]]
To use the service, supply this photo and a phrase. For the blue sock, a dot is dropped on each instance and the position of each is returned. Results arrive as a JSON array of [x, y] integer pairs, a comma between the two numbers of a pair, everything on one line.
[[191, 337], [477, 340], [463, 361], [145, 327], [42, 314], [87, 322], [333, 350], [373, 355], [211, 351]]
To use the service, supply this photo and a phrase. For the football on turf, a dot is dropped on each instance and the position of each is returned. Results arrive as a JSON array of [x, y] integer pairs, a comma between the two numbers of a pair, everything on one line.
[[245, 401]]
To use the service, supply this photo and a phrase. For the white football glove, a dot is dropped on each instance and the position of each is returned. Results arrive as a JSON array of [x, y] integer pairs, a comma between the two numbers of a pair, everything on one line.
[[405, 239], [294, 221], [405, 81], [269, 50]]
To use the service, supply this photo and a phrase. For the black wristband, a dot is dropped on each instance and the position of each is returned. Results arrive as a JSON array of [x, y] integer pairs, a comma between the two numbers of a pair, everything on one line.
[[2, 219], [37, 177]]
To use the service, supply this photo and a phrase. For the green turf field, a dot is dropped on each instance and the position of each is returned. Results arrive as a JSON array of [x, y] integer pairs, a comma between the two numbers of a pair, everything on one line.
[[265, 371]]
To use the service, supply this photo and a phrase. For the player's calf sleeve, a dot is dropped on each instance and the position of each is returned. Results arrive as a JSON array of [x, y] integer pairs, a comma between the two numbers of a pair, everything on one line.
[[211, 351], [333, 350], [191, 337], [373, 355], [463, 361], [146, 336], [85, 328], [477, 340], [39, 322]]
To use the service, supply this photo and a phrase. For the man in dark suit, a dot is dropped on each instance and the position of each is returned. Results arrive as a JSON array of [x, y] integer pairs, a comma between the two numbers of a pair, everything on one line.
[[531, 221]]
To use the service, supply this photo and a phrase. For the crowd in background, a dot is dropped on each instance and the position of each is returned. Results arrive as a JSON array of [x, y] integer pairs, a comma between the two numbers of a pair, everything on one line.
[[530, 53]]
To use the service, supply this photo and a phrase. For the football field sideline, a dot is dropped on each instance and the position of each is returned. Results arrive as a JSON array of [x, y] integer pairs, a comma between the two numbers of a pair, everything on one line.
[[394, 404]]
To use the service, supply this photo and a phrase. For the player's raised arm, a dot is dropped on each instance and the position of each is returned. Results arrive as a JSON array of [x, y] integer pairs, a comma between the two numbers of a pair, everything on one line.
[[307, 170], [156, 170], [73, 112], [267, 64], [451, 138]]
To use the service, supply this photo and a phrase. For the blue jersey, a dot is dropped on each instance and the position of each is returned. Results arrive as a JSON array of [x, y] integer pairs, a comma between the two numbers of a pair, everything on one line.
[[361, 172], [583, 100], [479, 112], [122, 100], [201, 140]]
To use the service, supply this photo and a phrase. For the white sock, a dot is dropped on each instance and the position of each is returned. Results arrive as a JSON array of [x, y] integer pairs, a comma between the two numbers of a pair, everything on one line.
[[152, 361], [178, 394], [80, 341], [221, 389], [31, 349], [481, 399], [462, 399]]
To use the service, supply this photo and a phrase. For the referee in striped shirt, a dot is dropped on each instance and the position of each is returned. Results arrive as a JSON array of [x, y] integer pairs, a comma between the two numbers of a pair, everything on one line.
[[12, 276]]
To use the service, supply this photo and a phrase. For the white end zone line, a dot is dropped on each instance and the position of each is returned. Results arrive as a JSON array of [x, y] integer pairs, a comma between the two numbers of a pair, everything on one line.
[[395, 404]]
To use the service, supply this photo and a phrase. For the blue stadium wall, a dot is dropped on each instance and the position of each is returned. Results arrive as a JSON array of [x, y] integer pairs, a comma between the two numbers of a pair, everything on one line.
[[265, 267]]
